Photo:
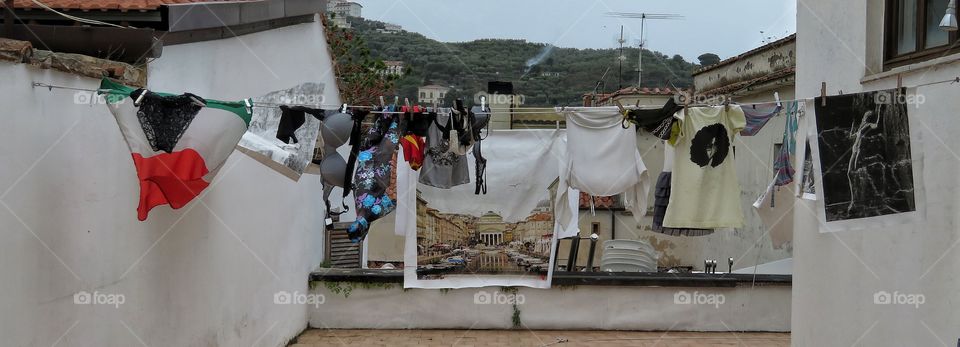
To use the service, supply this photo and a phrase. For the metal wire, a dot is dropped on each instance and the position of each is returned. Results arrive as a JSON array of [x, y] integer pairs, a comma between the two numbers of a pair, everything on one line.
[[525, 110]]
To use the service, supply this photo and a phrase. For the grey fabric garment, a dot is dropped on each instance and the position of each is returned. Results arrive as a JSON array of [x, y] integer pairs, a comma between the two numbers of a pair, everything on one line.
[[662, 199], [441, 168]]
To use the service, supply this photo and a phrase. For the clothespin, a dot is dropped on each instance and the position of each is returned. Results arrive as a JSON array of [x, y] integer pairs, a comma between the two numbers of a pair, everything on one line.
[[406, 101], [249, 103], [726, 102], [623, 111], [197, 102], [483, 103], [823, 94], [638, 104], [140, 98], [343, 109], [396, 100], [776, 96], [896, 94], [382, 104]]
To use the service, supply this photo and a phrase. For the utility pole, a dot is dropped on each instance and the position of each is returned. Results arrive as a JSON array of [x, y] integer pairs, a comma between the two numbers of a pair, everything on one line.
[[620, 59], [643, 23]]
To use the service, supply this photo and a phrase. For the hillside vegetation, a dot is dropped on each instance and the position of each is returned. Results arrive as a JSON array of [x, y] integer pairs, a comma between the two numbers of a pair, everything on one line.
[[561, 77]]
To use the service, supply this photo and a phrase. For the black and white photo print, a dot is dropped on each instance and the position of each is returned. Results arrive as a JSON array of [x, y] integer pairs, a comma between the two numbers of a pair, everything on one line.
[[864, 153]]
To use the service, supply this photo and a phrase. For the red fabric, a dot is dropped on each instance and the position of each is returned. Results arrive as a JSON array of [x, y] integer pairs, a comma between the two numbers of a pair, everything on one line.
[[413, 150], [169, 178]]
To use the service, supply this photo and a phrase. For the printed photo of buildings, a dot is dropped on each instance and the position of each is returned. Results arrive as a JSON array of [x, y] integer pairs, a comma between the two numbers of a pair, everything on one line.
[[461, 244]]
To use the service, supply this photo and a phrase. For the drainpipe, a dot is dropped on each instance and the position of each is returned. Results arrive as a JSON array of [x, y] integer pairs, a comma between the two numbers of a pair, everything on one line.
[[613, 224], [574, 249], [593, 248], [8, 20]]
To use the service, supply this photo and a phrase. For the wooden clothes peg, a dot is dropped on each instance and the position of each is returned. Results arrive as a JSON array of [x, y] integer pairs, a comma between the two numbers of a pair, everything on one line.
[[382, 104], [896, 94], [620, 106], [823, 94]]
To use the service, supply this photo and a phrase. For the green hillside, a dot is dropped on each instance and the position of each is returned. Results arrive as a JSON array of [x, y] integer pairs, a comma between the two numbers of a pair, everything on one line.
[[561, 78]]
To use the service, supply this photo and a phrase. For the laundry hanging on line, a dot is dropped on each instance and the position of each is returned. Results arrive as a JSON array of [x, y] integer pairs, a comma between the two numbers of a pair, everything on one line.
[[758, 115], [602, 160], [375, 171], [705, 191], [662, 199], [178, 142]]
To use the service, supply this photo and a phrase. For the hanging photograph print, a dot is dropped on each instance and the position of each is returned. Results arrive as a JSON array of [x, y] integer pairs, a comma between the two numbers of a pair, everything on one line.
[[863, 156], [283, 133], [458, 239]]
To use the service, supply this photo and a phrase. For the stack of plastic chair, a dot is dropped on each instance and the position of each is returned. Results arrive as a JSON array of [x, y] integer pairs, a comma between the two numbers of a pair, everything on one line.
[[628, 256]]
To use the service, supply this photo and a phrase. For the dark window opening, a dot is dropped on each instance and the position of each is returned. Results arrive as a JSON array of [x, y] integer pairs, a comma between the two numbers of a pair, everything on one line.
[[912, 32]]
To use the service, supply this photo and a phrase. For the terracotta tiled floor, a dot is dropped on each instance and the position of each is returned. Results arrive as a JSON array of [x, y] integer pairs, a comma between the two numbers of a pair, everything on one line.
[[492, 338]]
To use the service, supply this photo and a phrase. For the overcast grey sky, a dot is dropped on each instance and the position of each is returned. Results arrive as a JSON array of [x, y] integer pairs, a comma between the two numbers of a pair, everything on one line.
[[726, 27]]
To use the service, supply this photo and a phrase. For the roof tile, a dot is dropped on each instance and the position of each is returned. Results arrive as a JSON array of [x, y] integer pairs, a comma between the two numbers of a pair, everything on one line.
[[123, 5]]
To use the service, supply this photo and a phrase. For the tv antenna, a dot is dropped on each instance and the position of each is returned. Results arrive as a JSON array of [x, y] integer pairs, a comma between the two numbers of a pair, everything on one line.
[[643, 17]]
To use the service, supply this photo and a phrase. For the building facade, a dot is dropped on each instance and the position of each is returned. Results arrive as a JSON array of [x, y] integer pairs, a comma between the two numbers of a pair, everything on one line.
[[432, 94], [188, 275], [841, 279], [394, 68], [491, 229]]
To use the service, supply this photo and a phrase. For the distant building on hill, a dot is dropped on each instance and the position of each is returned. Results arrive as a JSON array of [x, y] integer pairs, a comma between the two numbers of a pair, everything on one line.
[[390, 28], [343, 8], [340, 10], [431, 93], [394, 67]]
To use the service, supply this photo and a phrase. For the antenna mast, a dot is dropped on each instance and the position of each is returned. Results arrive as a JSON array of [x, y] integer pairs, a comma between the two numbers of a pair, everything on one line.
[[643, 22]]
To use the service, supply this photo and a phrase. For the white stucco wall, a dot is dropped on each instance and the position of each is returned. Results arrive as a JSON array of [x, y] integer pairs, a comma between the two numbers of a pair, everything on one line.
[[836, 275], [737, 309], [204, 275]]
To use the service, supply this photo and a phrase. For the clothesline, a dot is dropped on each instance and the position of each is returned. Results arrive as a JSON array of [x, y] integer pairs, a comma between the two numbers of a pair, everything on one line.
[[525, 110]]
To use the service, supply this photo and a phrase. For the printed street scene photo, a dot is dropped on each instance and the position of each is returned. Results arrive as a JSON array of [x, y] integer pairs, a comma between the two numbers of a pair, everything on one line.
[[864, 144], [486, 244]]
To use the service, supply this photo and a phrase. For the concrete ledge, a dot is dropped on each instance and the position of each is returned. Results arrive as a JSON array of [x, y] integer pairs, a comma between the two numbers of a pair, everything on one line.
[[388, 306], [579, 278]]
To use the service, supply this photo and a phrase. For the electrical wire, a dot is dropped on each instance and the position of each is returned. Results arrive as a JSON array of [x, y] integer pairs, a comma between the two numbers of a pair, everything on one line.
[[75, 18]]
